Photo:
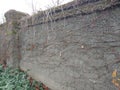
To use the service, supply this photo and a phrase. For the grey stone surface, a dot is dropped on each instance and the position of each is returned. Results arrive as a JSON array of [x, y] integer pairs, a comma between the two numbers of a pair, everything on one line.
[[14, 15], [9, 43], [77, 50], [77, 53]]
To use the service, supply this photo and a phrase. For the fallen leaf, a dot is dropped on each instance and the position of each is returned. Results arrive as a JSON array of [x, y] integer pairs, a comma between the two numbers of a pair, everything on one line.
[[114, 74]]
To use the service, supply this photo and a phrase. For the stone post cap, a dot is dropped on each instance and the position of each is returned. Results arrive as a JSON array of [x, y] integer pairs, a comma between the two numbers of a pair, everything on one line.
[[13, 15]]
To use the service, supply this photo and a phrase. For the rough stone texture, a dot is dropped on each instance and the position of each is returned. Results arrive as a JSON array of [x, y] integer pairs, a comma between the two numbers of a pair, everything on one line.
[[14, 15], [77, 53], [69, 10], [14, 44], [73, 48], [3, 42], [9, 38], [9, 43]]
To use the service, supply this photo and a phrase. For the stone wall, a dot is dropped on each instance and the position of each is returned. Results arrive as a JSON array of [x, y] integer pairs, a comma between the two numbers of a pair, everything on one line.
[[9, 38], [71, 47], [3, 43]]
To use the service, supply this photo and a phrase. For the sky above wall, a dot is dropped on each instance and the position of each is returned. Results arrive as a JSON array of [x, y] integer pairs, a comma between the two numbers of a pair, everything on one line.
[[28, 6]]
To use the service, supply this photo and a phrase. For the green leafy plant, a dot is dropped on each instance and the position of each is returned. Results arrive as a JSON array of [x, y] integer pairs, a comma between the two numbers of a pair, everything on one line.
[[14, 79]]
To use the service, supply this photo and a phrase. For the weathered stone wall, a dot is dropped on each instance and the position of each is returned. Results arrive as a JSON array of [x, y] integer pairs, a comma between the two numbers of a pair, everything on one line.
[[3, 42], [9, 39], [72, 47], [77, 50]]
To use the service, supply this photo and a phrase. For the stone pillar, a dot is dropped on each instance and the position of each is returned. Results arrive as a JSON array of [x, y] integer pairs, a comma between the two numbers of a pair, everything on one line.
[[13, 28]]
